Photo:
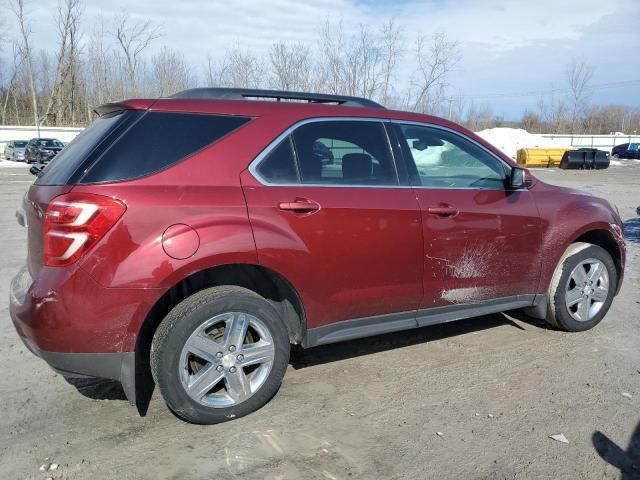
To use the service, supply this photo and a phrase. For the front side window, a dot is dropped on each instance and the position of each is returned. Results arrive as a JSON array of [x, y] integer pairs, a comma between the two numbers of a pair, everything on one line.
[[634, 147], [444, 159], [344, 153]]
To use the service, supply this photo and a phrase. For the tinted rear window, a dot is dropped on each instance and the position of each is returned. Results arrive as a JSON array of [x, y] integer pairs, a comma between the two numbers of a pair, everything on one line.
[[68, 165], [156, 141]]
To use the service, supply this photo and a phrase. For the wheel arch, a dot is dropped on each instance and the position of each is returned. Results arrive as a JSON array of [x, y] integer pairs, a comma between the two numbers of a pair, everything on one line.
[[606, 240], [266, 282], [136, 373]]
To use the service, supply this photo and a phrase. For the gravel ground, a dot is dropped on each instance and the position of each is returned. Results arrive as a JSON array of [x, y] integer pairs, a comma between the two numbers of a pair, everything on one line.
[[473, 399]]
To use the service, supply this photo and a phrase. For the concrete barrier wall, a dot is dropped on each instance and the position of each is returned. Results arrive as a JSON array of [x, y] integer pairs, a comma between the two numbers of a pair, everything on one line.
[[14, 132], [603, 142]]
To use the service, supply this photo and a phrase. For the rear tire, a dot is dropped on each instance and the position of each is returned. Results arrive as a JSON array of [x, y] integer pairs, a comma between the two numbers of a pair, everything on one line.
[[220, 354], [582, 288]]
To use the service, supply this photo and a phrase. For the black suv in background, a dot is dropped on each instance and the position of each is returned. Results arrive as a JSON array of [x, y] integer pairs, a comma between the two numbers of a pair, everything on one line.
[[626, 150], [42, 150]]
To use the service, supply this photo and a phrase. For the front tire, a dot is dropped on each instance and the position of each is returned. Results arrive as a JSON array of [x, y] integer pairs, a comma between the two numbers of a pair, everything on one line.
[[582, 288], [220, 354]]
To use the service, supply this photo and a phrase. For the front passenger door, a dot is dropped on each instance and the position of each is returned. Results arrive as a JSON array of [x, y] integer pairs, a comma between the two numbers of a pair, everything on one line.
[[481, 241]]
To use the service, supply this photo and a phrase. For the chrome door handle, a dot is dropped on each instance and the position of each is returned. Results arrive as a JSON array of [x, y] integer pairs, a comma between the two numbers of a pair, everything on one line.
[[299, 206], [443, 211]]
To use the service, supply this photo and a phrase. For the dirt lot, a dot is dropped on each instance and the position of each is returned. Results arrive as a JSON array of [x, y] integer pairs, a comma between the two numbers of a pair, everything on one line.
[[495, 387]]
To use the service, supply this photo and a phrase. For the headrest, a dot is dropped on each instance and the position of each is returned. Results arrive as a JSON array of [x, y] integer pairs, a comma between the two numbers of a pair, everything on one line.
[[357, 165]]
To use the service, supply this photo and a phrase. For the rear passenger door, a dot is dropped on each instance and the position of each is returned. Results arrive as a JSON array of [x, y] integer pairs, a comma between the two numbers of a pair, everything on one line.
[[328, 213], [481, 240]]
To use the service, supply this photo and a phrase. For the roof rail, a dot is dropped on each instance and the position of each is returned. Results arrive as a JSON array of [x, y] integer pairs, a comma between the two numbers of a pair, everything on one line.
[[278, 95]]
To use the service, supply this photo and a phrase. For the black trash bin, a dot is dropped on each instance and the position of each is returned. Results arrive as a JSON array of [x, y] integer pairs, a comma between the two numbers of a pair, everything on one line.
[[585, 159]]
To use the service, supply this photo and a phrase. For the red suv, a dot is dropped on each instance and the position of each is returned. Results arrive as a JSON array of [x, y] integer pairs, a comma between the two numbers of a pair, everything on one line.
[[196, 238]]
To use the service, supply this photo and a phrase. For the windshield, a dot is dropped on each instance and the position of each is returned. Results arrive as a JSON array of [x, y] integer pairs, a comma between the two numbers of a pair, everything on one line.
[[50, 142], [19, 143]]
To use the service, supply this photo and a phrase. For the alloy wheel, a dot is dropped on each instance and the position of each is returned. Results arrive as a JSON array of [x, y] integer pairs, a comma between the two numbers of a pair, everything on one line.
[[227, 359], [587, 289]]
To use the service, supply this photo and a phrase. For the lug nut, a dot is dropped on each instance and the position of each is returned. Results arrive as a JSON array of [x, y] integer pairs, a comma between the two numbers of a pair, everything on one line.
[[232, 369], [232, 348], [219, 368], [219, 354], [240, 357]]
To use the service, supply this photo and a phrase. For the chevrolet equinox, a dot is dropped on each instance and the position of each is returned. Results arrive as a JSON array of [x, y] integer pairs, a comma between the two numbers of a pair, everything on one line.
[[194, 239]]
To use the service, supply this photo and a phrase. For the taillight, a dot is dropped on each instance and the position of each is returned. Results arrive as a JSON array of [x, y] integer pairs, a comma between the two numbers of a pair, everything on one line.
[[74, 223]]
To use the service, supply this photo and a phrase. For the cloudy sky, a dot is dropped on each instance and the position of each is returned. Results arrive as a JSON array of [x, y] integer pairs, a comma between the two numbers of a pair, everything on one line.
[[512, 50]]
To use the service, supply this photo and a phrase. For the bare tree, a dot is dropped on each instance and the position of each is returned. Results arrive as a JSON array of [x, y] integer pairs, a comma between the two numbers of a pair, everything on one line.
[[554, 113], [134, 38], [351, 66], [68, 16], [170, 72], [25, 49], [436, 57], [243, 69], [9, 86], [579, 76], [291, 66], [215, 72], [392, 54], [331, 67]]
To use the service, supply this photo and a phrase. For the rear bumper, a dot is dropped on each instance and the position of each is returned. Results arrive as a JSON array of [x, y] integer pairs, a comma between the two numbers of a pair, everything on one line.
[[77, 326], [101, 365]]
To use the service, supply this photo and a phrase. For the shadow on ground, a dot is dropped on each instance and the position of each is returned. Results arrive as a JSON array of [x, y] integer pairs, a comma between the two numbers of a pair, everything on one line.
[[102, 389], [627, 461], [301, 358], [98, 388], [632, 230]]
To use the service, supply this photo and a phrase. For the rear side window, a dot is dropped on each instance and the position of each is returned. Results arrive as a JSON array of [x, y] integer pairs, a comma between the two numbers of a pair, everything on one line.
[[344, 153], [158, 140], [279, 166], [62, 169]]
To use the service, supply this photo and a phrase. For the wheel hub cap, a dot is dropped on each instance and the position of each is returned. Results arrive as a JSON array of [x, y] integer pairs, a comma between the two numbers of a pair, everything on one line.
[[587, 289]]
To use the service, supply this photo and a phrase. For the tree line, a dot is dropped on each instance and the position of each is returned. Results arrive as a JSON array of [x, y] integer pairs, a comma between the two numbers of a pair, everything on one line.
[[110, 60]]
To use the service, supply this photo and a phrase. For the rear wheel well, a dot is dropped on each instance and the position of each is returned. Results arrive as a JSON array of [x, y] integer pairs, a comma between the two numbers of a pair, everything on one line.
[[265, 282], [604, 239]]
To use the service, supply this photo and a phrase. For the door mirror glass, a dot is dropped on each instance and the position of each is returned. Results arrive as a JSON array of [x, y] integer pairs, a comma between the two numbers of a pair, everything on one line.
[[518, 178]]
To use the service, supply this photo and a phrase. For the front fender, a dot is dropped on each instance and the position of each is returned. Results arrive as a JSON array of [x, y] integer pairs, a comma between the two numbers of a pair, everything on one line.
[[567, 215]]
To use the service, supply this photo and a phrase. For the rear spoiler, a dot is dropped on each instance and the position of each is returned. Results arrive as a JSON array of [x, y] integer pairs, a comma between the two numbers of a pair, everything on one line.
[[132, 104], [108, 108]]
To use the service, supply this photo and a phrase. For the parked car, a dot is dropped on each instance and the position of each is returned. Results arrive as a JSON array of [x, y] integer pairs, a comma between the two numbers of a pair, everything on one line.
[[626, 150], [14, 150], [194, 239], [42, 150]]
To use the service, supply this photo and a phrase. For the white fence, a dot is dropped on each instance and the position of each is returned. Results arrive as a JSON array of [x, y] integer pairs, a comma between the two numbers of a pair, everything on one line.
[[604, 142], [14, 132]]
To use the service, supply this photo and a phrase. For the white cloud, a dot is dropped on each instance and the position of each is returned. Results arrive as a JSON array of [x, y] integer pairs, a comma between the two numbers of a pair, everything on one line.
[[495, 36]]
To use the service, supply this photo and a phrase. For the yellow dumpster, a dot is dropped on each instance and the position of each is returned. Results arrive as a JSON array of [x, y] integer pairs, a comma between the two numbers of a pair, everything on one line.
[[541, 157]]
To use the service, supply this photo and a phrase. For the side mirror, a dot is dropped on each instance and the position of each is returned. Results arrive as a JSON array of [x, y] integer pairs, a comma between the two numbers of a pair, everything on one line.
[[518, 178]]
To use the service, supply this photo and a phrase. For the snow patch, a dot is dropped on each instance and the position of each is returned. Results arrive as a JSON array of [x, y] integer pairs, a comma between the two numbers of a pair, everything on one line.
[[510, 140]]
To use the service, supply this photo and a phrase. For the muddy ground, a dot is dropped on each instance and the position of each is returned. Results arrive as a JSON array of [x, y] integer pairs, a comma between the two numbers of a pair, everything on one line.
[[495, 387]]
